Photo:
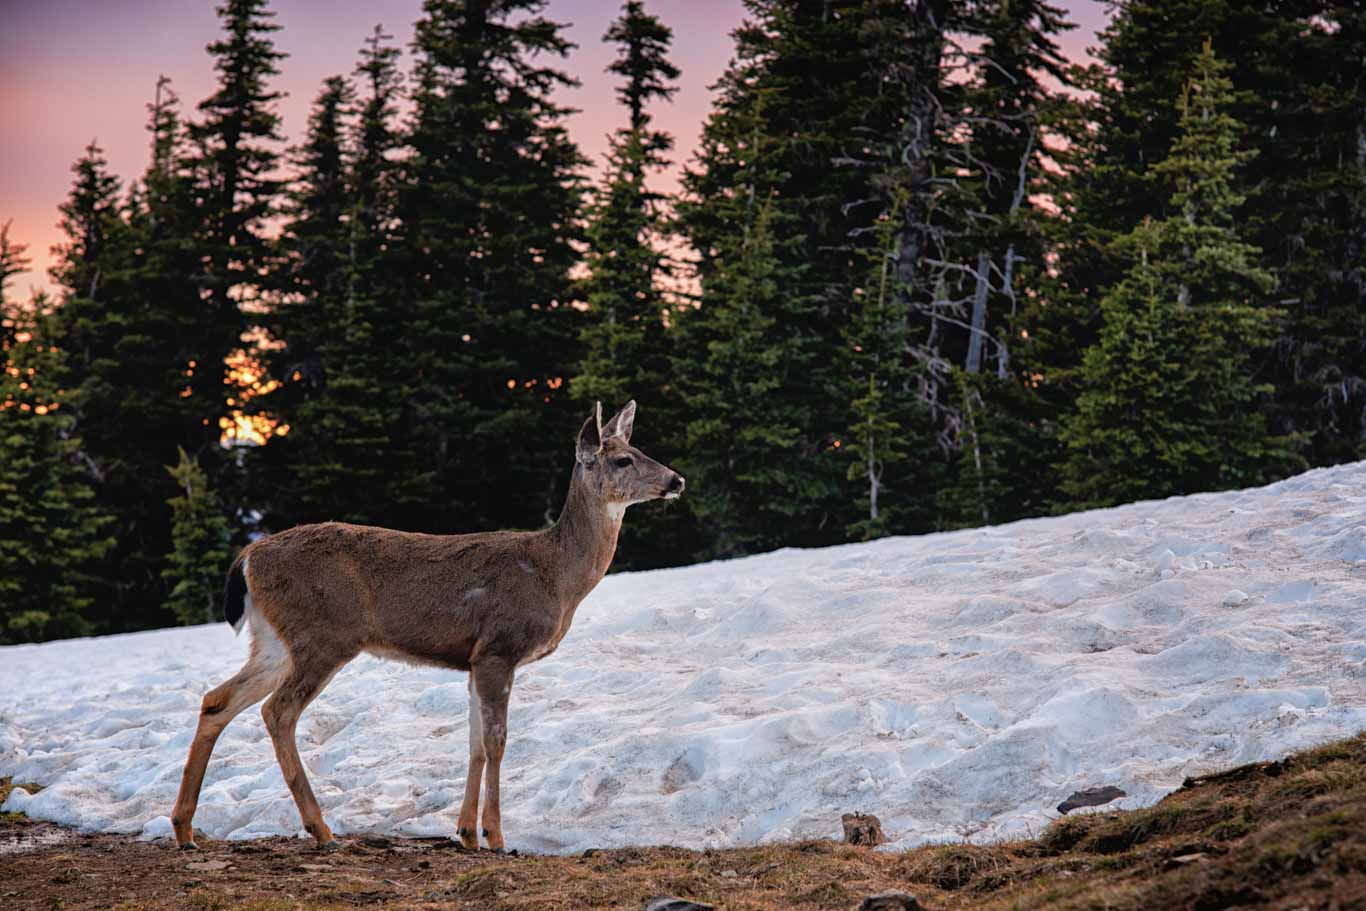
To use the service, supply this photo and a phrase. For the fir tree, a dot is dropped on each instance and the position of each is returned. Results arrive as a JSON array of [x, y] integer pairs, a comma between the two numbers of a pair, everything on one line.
[[316, 239], [890, 440], [1169, 402], [626, 339], [199, 558], [375, 460], [806, 93], [746, 454], [1293, 93], [234, 165], [1309, 214], [297, 470], [1003, 442], [52, 535], [488, 208], [120, 326]]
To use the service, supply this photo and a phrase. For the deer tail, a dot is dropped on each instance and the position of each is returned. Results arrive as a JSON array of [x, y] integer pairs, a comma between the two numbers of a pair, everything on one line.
[[235, 595]]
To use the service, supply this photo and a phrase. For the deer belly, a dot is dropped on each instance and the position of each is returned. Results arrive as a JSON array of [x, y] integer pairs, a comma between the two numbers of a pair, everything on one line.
[[454, 655]]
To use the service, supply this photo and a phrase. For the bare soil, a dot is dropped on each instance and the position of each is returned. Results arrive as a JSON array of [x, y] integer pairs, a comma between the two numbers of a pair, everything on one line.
[[1285, 835]]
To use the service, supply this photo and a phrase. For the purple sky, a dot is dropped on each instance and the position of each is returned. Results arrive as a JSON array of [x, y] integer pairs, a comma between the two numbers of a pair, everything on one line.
[[71, 71]]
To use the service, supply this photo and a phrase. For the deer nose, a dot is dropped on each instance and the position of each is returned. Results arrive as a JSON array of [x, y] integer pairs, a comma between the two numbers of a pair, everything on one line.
[[676, 485]]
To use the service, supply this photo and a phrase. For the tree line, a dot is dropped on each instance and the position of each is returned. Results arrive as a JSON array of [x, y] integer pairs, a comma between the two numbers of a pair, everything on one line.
[[924, 273]]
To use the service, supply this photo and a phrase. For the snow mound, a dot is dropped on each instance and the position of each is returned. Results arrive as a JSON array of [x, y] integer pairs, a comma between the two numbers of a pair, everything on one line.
[[958, 685]]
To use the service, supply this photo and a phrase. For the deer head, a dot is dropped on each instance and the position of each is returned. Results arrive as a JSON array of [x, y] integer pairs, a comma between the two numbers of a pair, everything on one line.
[[614, 470]]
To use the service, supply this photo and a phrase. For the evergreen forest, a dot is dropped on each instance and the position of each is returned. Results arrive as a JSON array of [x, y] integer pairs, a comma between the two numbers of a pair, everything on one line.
[[924, 273]]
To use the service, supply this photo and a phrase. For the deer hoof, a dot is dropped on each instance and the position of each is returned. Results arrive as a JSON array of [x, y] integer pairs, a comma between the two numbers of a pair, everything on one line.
[[189, 846], [330, 846]]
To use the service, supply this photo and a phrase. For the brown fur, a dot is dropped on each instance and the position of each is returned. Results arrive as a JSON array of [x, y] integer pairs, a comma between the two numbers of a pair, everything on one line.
[[484, 603]]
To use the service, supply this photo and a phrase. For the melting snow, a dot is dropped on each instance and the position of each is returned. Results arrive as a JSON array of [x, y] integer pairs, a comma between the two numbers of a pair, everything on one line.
[[957, 685]]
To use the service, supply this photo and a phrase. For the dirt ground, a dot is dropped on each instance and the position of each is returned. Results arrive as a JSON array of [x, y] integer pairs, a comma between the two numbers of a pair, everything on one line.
[[1286, 835]]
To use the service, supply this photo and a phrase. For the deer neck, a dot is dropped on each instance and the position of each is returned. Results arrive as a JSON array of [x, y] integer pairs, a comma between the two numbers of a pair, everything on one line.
[[586, 536]]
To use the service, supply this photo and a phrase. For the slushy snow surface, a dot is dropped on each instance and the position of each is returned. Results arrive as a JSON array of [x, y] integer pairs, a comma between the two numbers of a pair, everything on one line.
[[958, 685]]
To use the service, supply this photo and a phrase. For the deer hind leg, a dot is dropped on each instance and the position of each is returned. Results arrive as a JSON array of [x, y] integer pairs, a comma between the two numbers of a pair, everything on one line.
[[493, 680], [256, 680], [281, 713], [469, 808]]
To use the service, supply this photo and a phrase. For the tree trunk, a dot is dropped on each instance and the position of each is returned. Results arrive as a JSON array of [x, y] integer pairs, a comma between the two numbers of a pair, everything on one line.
[[979, 315]]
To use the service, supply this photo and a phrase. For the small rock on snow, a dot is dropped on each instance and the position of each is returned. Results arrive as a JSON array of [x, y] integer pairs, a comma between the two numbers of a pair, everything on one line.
[[1091, 797], [862, 829]]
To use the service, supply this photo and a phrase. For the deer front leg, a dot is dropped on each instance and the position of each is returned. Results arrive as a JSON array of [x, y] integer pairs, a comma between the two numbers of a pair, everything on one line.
[[469, 809], [493, 680]]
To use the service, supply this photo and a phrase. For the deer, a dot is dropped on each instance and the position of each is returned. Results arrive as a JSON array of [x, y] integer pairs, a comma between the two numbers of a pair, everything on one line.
[[316, 596]]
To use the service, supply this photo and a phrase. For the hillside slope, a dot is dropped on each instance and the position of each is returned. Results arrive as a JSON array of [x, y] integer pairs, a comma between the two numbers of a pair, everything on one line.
[[959, 685]]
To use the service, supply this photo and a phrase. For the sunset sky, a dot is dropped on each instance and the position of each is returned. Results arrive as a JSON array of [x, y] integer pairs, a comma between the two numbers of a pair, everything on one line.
[[72, 71]]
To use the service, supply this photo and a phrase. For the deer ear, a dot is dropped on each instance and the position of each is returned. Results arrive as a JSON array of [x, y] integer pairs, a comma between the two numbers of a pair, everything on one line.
[[622, 425], [590, 437]]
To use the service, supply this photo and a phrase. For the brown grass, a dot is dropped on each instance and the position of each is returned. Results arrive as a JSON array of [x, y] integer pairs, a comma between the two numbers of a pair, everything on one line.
[[1290, 834]]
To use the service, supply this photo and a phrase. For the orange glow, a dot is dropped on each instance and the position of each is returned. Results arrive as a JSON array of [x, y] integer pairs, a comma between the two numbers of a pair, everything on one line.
[[246, 373]]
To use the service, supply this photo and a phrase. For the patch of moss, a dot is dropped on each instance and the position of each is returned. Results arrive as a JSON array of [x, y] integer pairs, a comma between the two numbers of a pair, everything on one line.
[[951, 867]]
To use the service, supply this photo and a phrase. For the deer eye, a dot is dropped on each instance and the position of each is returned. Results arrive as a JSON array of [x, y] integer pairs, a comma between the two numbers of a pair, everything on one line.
[[622, 461]]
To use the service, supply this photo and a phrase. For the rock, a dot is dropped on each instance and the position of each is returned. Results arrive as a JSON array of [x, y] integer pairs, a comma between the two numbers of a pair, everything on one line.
[[1235, 598], [208, 866], [1091, 797], [862, 829], [376, 841], [669, 903], [891, 901]]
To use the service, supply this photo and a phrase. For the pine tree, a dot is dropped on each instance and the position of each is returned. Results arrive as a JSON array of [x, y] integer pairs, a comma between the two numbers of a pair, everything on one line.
[[1303, 105], [119, 328], [1169, 402], [626, 338], [1003, 441], [52, 535], [488, 209], [199, 558], [316, 239], [375, 463], [745, 448], [624, 343], [296, 472], [805, 96], [1309, 214], [345, 372], [890, 439], [234, 165]]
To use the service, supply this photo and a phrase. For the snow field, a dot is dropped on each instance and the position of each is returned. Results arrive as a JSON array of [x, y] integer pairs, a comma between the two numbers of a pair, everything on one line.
[[958, 685]]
